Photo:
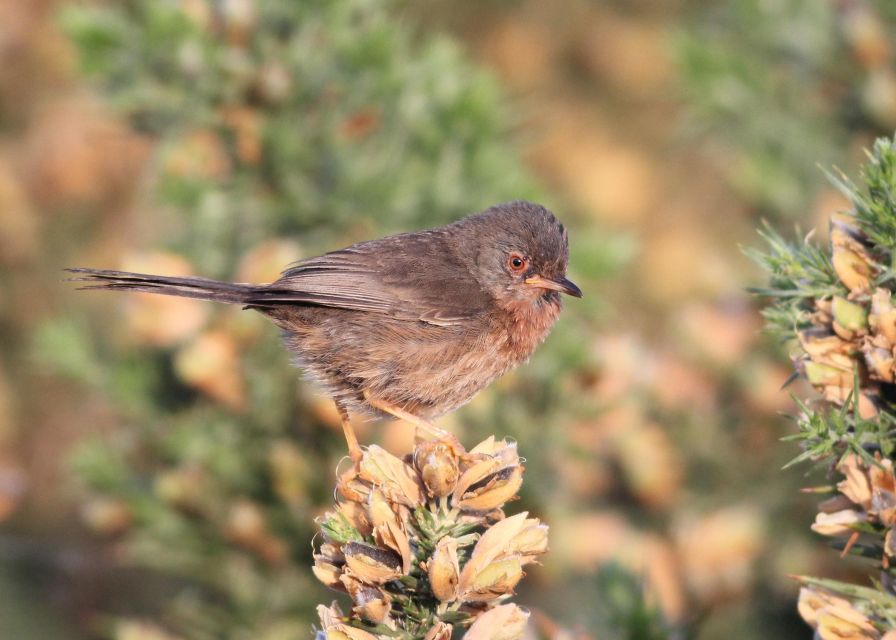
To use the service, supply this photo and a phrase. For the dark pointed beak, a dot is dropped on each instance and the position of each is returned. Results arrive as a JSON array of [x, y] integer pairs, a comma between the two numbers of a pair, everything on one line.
[[560, 284]]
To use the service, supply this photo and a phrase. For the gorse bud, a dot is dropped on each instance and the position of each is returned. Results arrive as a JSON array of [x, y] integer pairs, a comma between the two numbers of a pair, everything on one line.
[[421, 544]]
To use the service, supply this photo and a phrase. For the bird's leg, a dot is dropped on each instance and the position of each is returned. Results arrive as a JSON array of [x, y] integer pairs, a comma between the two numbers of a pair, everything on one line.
[[354, 449], [421, 423]]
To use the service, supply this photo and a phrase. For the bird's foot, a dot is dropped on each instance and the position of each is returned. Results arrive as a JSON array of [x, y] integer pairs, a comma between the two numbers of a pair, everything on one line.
[[446, 438], [423, 426]]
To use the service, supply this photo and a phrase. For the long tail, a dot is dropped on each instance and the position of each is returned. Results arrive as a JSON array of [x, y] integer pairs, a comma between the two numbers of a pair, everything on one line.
[[201, 288]]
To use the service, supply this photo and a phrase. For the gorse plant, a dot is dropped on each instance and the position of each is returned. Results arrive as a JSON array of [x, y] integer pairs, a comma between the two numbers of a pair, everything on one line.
[[422, 545], [835, 306]]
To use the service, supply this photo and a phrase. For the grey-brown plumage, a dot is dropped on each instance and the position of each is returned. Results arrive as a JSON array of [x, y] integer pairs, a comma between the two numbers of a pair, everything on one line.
[[415, 323]]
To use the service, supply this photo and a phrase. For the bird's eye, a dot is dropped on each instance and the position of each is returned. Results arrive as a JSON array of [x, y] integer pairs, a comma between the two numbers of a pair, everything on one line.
[[516, 262]]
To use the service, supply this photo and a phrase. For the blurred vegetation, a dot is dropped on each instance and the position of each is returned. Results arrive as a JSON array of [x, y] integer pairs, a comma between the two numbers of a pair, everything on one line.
[[785, 86], [161, 463]]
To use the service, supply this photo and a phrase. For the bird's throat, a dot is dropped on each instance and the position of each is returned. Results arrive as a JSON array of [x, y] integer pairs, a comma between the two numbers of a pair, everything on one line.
[[530, 321]]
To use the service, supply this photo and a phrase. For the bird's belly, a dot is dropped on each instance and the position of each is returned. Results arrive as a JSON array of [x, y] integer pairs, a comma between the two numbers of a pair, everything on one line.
[[433, 376], [425, 369]]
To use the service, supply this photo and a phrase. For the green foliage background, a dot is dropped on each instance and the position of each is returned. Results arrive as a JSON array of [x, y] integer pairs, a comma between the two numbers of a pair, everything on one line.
[[661, 133]]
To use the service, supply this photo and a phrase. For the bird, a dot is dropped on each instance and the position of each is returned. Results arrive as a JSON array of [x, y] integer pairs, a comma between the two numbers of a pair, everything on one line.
[[411, 325]]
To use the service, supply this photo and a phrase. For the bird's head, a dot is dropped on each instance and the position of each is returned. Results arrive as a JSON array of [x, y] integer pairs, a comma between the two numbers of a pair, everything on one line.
[[518, 252]]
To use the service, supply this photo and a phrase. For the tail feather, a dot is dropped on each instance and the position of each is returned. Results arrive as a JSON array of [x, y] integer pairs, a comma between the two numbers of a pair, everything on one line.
[[185, 287]]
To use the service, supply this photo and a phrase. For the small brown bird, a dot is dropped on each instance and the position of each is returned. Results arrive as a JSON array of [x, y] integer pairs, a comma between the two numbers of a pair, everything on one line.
[[412, 325]]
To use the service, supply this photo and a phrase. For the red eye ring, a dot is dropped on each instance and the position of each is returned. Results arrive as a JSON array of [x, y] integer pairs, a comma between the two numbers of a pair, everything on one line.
[[516, 263]]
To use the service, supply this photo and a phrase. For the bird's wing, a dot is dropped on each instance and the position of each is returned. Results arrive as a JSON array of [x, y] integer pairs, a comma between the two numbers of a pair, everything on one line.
[[414, 277]]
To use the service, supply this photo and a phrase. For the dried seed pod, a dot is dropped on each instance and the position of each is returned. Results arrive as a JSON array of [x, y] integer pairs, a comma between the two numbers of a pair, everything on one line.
[[352, 487], [881, 475], [492, 491], [334, 629], [438, 468], [844, 621], [356, 516], [495, 542], [391, 535], [504, 451], [852, 269], [491, 581], [823, 346], [849, 257], [880, 363], [394, 521], [182, 488], [379, 509], [492, 479], [890, 544], [840, 523], [394, 478], [882, 318], [372, 564], [531, 541], [495, 562], [371, 603], [439, 631], [812, 601], [328, 573], [504, 622], [444, 571], [883, 506], [856, 486], [825, 375]]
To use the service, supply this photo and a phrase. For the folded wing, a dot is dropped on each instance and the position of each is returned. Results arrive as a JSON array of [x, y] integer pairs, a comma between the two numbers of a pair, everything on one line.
[[413, 277]]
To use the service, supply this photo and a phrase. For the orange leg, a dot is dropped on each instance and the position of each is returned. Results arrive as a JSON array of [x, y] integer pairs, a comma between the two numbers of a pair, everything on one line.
[[354, 449], [422, 424]]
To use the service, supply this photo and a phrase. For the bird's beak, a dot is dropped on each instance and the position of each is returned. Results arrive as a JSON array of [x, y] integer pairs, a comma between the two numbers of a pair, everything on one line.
[[561, 284]]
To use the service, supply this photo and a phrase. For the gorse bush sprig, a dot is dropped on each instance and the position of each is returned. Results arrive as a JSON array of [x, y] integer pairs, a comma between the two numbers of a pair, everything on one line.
[[836, 307], [421, 544]]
